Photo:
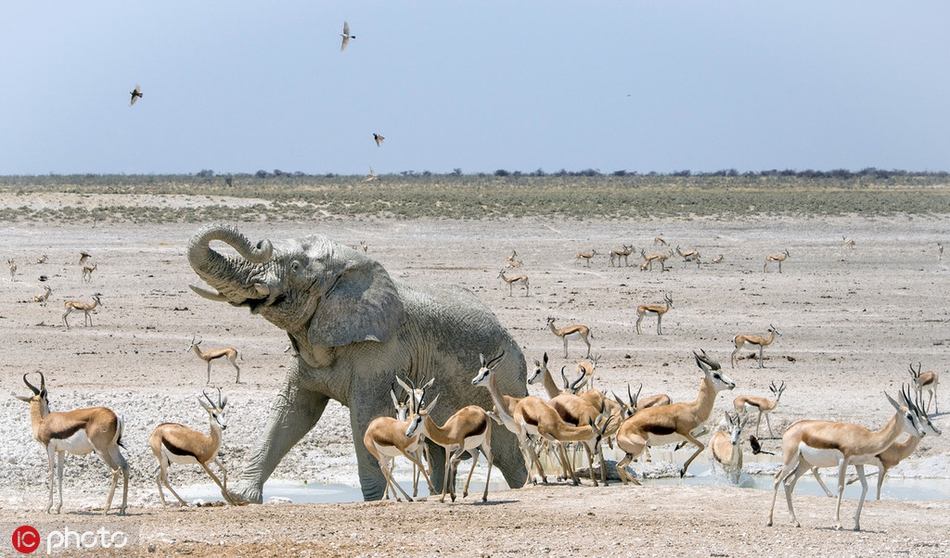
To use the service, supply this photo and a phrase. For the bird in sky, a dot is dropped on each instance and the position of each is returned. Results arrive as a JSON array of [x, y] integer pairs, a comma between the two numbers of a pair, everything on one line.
[[379, 139], [346, 36], [136, 93]]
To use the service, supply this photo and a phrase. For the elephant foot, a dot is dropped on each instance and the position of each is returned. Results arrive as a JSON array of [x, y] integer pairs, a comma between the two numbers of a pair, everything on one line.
[[244, 495]]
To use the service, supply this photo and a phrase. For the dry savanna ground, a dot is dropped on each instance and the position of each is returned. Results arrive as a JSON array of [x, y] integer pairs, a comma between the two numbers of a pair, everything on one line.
[[851, 323]]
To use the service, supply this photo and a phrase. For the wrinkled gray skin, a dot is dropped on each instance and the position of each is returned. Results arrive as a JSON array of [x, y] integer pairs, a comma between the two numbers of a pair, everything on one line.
[[353, 329]]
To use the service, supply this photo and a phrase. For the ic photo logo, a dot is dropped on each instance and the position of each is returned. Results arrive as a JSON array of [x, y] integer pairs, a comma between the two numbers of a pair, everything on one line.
[[27, 539]]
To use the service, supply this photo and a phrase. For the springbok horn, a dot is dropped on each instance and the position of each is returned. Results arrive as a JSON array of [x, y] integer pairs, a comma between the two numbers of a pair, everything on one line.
[[496, 359], [31, 386]]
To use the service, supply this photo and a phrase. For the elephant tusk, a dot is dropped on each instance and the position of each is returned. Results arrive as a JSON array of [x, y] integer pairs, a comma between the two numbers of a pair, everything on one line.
[[262, 289], [210, 295]]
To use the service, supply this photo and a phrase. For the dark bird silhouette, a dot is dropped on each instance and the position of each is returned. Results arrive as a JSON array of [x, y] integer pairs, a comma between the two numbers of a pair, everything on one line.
[[44, 278], [136, 93], [346, 36], [379, 139], [757, 447]]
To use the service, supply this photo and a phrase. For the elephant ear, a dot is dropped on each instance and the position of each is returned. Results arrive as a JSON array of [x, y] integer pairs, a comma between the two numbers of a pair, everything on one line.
[[361, 305]]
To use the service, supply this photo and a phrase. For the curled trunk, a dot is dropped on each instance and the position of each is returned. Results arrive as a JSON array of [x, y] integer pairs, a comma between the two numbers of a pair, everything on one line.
[[232, 277]]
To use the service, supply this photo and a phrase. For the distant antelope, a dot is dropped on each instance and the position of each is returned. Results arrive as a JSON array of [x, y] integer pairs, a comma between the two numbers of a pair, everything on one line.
[[523, 279], [848, 241], [742, 340], [745, 403], [775, 258], [717, 259], [77, 432], [689, 255], [617, 255], [176, 443], [925, 383], [12, 269], [659, 240], [87, 309], [43, 297], [655, 309], [586, 256], [939, 251], [649, 259], [230, 354], [87, 272], [574, 332], [42, 259]]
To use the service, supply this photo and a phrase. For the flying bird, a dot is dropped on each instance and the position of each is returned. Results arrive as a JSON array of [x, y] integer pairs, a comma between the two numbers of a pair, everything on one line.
[[379, 139], [136, 93], [346, 36]]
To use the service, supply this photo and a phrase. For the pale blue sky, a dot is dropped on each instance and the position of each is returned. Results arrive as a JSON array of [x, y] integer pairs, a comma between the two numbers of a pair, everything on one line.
[[639, 86]]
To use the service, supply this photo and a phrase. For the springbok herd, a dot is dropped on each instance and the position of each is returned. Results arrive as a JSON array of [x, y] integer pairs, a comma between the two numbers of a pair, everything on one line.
[[576, 415]]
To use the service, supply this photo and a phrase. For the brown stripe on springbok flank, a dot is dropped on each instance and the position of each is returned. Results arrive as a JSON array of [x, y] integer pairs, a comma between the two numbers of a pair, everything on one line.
[[176, 450], [530, 420], [819, 442], [659, 430], [67, 433], [482, 425]]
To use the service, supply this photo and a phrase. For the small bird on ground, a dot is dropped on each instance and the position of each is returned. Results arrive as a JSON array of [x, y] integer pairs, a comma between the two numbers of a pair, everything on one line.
[[372, 175], [379, 139], [136, 94], [757, 447], [346, 36]]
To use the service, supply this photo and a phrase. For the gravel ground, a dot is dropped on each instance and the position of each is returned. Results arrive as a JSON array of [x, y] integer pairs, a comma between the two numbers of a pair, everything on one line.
[[851, 322]]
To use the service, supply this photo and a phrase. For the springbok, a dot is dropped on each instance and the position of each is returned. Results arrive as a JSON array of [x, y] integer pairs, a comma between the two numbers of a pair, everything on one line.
[[77, 432], [775, 258], [742, 340], [572, 332], [726, 447], [469, 429], [745, 403], [926, 382], [87, 309], [822, 443], [386, 439], [175, 443], [655, 310], [672, 423], [229, 353]]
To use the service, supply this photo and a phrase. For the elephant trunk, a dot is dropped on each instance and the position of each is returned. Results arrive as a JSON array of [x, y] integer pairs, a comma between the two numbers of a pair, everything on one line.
[[232, 277]]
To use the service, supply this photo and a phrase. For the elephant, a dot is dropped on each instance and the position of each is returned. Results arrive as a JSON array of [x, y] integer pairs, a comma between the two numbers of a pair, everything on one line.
[[353, 328]]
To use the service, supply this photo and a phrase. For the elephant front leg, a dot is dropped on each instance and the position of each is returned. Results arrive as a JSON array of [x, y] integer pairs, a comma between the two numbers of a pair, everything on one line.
[[294, 413]]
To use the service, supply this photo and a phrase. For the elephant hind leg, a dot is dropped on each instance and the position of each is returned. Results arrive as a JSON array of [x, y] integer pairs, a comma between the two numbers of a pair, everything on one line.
[[507, 456]]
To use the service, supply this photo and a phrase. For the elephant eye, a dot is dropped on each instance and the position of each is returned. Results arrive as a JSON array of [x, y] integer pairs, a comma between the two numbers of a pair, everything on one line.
[[295, 267]]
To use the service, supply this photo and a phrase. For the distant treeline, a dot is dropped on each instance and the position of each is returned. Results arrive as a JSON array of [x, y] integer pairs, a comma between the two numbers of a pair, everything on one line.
[[841, 175]]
